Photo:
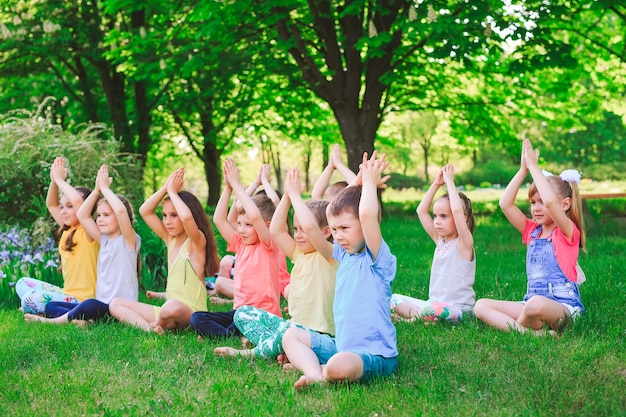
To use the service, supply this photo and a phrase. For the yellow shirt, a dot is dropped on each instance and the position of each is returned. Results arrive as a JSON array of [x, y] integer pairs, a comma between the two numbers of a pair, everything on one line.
[[79, 265], [182, 282], [312, 291]]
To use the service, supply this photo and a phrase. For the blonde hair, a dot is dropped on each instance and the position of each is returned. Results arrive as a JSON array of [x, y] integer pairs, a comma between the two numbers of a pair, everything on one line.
[[564, 189]]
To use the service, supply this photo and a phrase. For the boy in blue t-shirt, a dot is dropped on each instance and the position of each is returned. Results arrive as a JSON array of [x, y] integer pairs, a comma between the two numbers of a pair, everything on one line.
[[365, 342]]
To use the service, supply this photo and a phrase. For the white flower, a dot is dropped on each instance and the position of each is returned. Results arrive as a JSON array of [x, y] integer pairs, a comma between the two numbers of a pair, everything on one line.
[[546, 173], [571, 175]]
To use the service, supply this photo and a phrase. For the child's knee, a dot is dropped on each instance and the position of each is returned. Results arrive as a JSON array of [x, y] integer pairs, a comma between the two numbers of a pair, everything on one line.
[[296, 335], [344, 366], [481, 307], [535, 306]]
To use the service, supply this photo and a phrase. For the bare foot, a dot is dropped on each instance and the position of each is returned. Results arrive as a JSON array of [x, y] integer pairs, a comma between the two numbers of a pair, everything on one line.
[[31, 318], [245, 343], [396, 318], [305, 381], [150, 294], [218, 300], [282, 359], [158, 329], [289, 367], [225, 352], [81, 323]]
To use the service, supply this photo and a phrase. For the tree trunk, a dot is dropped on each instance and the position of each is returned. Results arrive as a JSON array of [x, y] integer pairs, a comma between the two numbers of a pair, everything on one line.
[[142, 109], [212, 171], [358, 129]]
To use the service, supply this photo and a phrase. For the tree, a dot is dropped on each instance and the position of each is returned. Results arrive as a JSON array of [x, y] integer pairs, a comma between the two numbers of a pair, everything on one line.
[[351, 53]]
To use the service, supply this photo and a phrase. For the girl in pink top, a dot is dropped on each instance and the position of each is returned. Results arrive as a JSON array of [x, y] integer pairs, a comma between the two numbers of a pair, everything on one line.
[[553, 238]]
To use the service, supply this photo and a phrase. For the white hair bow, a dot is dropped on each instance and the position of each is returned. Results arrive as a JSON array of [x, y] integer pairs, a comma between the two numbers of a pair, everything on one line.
[[569, 175]]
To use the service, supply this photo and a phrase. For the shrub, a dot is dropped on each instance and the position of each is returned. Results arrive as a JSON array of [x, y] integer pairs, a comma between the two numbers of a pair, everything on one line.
[[29, 142], [400, 181], [494, 171], [25, 255], [605, 172]]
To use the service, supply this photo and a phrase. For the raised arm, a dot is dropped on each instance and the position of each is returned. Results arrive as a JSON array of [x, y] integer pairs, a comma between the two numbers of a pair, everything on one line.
[[232, 173], [174, 187], [371, 174], [148, 212], [423, 208], [337, 160], [465, 244], [267, 185], [83, 214], [322, 181], [57, 170], [221, 215], [103, 182], [232, 213], [507, 201], [278, 227], [305, 217], [549, 198], [58, 175]]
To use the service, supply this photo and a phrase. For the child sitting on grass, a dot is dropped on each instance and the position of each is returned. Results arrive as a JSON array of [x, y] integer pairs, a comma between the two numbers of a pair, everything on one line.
[[256, 270], [312, 278], [452, 273], [365, 342], [191, 255], [554, 237], [117, 260]]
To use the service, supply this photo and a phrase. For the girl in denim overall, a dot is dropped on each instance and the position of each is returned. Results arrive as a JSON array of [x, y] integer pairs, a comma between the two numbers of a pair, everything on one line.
[[554, 237]]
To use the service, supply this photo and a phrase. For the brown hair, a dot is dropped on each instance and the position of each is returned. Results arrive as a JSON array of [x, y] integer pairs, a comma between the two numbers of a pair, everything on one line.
[[212, 262], [264, 204], [127, 205], [318, 208], [564, 189], [69, 242], [347, 201], [334, 189], [467, 210]]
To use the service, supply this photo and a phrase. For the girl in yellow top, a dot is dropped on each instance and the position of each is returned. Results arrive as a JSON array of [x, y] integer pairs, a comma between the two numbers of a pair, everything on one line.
[[77, 250], [312, 288], [192, 255]]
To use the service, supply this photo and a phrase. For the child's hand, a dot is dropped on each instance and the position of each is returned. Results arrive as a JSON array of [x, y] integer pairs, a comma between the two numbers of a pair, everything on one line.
[[265, 172], [231, 173], [439, 180], [448, 175], [372, 169], [530, 157], [336, 159], [176, 181], [103, 181], [58, 172], [292, 182]]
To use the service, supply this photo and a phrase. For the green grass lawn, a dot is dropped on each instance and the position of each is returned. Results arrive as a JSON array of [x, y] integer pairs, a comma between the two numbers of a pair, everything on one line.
[[464, 370]]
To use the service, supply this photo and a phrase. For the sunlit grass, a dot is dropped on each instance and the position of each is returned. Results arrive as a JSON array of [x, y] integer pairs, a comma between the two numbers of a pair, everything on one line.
[[465, 370]]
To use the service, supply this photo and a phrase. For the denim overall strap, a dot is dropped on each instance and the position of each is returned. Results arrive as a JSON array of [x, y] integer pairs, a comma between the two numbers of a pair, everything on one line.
[[545, 276]]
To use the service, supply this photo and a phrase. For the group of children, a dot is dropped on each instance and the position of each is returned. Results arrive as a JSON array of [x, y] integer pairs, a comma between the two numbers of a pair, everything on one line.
[[339, 290]]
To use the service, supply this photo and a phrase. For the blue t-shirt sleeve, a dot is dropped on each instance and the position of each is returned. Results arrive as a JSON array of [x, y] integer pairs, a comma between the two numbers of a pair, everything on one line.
[[385, 265], [338, 251]]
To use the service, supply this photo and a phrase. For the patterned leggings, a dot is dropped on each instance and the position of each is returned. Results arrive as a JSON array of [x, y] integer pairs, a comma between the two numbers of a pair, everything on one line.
[[263, 329], [36, 294]]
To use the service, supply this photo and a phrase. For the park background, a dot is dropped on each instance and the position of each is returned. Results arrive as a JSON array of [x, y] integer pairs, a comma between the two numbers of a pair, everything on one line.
[[149, 86]]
